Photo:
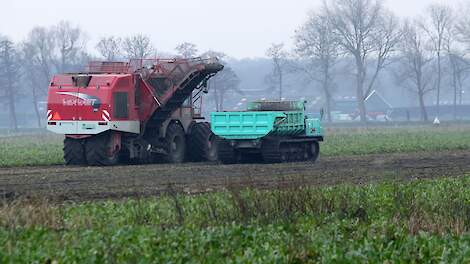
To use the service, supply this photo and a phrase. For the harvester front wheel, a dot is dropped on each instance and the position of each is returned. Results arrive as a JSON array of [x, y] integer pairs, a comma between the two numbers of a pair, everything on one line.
[[202, 143], [101, 150], [74, 151], [176, 143]]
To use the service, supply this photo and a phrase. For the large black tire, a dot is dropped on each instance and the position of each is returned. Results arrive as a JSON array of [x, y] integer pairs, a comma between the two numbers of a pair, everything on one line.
[[176, 143], [74, 151], [98, 152], [202, 143]]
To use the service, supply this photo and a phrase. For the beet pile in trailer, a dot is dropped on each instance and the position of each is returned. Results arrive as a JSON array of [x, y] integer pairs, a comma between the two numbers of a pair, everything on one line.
[[142, 111]]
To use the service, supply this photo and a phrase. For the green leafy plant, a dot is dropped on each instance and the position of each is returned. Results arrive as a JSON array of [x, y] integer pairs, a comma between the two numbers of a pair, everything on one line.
[[419, 221]]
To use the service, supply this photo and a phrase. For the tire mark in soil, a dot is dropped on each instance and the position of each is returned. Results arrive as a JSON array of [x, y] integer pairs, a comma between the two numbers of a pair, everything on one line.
[[89, 183]]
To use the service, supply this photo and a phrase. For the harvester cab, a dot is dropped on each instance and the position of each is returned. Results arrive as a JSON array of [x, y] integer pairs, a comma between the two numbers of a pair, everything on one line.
[[130, 111]]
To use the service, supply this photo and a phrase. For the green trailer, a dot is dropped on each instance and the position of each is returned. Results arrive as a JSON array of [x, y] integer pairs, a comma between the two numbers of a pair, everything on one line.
[[270, 131]]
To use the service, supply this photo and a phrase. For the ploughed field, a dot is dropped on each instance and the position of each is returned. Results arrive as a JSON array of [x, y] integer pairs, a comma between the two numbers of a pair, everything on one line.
[[87, 183], [31, 165]]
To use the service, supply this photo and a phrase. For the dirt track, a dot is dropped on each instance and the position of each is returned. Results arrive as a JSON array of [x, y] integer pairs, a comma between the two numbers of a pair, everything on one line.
[[87, 183]]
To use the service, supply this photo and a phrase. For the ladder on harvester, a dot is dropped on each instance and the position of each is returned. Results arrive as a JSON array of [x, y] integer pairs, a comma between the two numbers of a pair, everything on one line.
[[196, 102]]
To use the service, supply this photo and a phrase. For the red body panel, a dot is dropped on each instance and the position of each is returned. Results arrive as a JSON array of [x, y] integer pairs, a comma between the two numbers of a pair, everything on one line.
[[147, 103], [68, 102], [57, 103]]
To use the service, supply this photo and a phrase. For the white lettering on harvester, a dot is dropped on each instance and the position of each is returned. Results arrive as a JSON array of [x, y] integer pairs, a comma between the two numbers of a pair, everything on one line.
[[78, 102]]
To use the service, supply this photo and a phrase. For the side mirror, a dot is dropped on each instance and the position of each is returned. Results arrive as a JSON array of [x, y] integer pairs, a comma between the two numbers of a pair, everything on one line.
[[322, 114]]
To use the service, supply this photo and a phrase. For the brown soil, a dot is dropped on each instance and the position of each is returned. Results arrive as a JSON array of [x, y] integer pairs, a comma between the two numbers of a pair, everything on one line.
[[87, 183]]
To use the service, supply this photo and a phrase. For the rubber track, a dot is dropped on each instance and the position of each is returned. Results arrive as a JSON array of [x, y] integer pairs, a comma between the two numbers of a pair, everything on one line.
[[316, 155], [270, 150], [225, 152]]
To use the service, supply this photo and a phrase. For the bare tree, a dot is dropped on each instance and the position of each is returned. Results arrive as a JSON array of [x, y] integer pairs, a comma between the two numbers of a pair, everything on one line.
[[459, 73], [32, 76], [186, 50], [367, 32], [9, 76], [459, 62], [279, 58], [386, 38], [224, 83], [459, 67], [70, 42], [37, 58], [416, 70], [438, 24], [318, 46], [138, 47], [110, 48], [463, 26], [41, 40]]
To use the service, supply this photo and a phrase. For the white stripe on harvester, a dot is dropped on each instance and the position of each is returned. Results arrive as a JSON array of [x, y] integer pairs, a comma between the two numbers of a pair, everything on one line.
[[106, 113], [105, 118]]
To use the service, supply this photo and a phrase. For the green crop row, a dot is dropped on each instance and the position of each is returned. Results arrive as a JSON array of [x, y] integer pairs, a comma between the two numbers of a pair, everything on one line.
[[394, 140], [415, 222], [31, 150], [46, 149]]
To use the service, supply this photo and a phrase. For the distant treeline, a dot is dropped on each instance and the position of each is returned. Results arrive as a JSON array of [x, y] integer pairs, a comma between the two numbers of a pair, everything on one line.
[[345, 48]]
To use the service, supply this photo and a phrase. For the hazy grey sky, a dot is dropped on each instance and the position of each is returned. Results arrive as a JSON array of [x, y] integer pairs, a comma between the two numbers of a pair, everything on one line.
[[240, 28]]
